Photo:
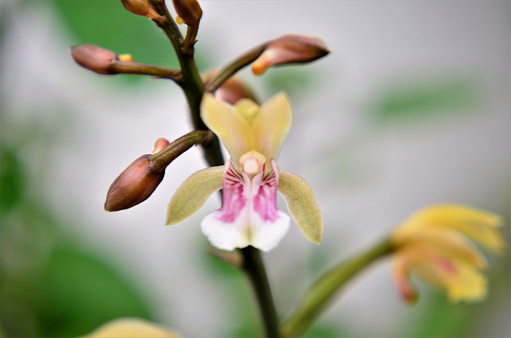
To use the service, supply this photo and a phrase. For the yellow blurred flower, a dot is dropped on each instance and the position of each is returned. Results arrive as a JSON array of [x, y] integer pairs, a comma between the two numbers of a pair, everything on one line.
[[131, 328], [433, 244]]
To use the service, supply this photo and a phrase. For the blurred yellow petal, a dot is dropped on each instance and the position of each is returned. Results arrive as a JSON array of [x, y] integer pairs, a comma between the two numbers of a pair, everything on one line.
[[434, 245], [462, 281], [446, 241], [302, 205], [231, 127], [479, 225], [131, 328], [271, 126], [193, 193]]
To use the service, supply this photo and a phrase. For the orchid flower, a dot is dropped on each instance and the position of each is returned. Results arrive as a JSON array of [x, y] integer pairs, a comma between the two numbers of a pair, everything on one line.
[[253, 136], [433, 244]]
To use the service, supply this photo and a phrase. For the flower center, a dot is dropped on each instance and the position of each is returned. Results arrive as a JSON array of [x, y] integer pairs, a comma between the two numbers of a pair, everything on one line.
[[252, 162]]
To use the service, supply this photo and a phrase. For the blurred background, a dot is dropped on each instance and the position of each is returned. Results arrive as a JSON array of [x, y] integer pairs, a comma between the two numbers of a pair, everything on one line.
[[411, 108]]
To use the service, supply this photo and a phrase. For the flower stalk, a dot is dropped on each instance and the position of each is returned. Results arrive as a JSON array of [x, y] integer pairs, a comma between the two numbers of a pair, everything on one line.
[[105, 62], [192, 85], [256, 273], [316, 300]]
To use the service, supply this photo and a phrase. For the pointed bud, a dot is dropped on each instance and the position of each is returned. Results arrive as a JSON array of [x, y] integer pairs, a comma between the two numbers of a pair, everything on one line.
[[289, 49], [94, 58], [140, 7], [137, 182], [189, 11], [133, 186]]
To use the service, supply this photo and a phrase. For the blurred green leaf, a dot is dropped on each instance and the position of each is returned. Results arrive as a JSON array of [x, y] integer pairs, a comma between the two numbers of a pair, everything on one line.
[[79, 292], [292, 80], [11, 180], [423, 97], [324, 331], [109, 25], [220, 267], [441, 318], [244, 320], [319, 260]]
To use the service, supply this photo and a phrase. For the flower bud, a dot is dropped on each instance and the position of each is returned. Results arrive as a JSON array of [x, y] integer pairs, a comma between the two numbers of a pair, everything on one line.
[[137, 182], [94, 58], [233, 90], [134, 185], [189, 11], [140, 7], [289, 49]]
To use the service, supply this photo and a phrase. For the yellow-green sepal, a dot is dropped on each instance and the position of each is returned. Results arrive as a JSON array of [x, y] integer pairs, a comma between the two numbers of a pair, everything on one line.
[[193, 193], [302, 205]]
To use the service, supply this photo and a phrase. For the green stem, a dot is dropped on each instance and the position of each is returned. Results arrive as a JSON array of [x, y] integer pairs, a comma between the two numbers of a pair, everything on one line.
[[254, 268], [234, 66], [192, 84], [322, 292], [164, 157]]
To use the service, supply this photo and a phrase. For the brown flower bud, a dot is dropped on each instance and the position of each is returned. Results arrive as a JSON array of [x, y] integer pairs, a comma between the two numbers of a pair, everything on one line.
[[289, 49], [233, 90], [137, 182], [189, 11], [94, 58], [140, 7], [134, 185]]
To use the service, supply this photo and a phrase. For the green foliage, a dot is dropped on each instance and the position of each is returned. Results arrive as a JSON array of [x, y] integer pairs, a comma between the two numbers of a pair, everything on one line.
[[49, 288], [324, 331], [441, 318], [426, 97], [243, 321], [12, 183], [109, 25], [293, 80], [81, 292]]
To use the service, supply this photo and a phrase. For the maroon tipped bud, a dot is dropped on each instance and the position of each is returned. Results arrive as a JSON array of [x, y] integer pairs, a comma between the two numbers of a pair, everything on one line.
[[189, 11], [134, 185], [94, 58], [159, 145], [137, 182], [140, 7], [289, 49], [232, 90]]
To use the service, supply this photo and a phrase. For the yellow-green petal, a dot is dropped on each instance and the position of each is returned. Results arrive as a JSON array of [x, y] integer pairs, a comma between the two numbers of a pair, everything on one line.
[[302, 205], [231, 127], [271, 126], [131, 328], [193, 193]]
